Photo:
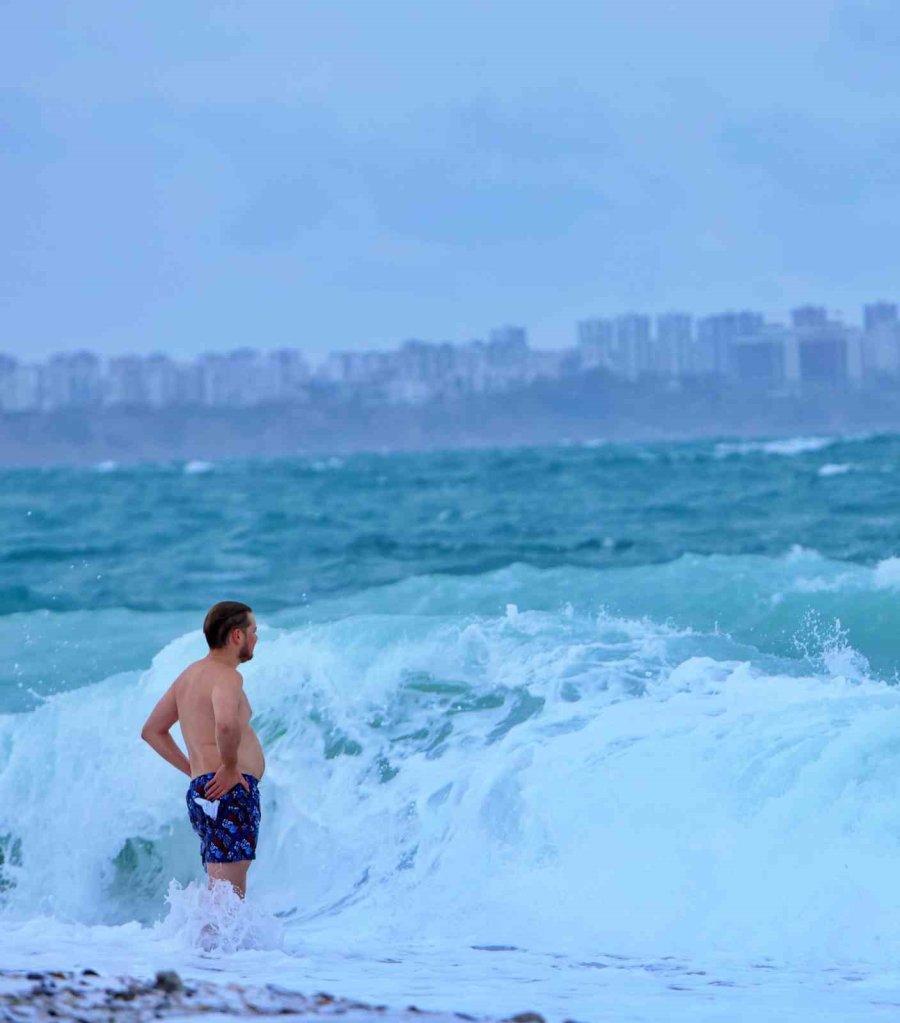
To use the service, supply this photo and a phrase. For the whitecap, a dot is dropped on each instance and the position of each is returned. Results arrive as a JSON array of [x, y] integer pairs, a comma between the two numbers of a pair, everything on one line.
[[326, 464], [789, 447], [886, 574], [196, 466], [835, 469]]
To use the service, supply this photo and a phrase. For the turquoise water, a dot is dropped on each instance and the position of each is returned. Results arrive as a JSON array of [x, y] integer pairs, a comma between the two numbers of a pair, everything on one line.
[[101, 567], [636, 700]]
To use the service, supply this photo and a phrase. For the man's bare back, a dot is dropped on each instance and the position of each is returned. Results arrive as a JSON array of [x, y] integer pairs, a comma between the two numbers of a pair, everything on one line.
[[201, 690], [225, 760]]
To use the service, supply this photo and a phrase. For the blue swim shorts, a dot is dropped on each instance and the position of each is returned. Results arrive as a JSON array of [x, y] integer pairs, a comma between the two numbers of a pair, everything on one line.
[[229, 827]]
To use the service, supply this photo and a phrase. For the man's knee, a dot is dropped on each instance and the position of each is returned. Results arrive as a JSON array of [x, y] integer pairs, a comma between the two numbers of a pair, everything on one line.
[[234, 873]]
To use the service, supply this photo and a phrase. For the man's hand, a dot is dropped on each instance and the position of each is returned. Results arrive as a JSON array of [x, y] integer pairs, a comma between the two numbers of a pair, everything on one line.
[[224, 780]]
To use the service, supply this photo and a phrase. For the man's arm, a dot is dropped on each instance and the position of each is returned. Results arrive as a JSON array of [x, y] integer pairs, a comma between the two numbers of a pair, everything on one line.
[[156, 732], [226, 702]]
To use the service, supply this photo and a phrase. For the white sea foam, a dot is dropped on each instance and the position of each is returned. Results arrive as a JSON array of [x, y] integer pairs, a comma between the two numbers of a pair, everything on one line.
[[538, 776], [544, 780], [886, 574], [327, 464], [835, 469], [789, 447], [197, 467], [215, 919]]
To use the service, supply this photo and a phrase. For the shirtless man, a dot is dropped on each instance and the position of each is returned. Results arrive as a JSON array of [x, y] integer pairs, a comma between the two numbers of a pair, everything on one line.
[[225, 760]]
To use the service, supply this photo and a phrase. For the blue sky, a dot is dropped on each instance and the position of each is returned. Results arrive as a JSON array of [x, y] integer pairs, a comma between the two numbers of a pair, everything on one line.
[[350, 173]]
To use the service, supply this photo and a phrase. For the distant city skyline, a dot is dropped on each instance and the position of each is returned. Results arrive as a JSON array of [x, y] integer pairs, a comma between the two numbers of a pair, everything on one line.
[[733, 348], [329, 176], [855, 317]]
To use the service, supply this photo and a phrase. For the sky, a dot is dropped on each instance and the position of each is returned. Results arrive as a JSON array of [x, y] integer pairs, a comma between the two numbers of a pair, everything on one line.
[[347, 174]]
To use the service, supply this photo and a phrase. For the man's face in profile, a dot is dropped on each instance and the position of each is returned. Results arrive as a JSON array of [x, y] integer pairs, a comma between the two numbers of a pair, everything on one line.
[[248, 643]]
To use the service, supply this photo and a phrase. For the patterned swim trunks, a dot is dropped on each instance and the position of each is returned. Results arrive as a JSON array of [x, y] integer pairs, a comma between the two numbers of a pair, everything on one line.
[[229, 827]]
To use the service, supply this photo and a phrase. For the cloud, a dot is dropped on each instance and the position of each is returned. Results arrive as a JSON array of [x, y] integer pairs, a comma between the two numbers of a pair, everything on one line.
[[485, 171], [811, 159], [474, 172], [280, 212], [873, 23], [402, 167]]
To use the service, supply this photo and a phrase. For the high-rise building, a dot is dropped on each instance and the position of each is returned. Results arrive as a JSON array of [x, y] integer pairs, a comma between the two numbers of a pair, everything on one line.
[[809, 317], [759, 359], [674, 348], [715, 335], [824, 351], [879, 314], [510, 339], [20, 386], [420, 370], [505, 358], [234, 378], [289, 374], [71, 379], [165, 382], [8, 370], [596, 343], [152, 381], [881, 341], [356, 369], [424, 361], [124, 383], [634, 346], [506, 355]]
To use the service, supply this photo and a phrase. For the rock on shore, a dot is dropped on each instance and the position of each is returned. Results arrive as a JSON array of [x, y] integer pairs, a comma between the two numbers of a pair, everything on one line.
[[89, 998]]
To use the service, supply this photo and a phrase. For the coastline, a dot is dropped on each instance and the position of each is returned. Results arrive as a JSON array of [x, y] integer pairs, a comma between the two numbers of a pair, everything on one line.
[[587, 409], [88, 997]]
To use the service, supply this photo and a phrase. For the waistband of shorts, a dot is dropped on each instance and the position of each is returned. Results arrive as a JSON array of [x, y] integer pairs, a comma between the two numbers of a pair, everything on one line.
[[204, 778]]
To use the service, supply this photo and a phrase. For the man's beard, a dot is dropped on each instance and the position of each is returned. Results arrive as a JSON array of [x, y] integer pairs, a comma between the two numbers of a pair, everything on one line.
[[245, 654]]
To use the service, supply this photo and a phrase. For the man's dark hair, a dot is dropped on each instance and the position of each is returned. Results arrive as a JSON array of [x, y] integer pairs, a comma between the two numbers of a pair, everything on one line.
[[221, 618]]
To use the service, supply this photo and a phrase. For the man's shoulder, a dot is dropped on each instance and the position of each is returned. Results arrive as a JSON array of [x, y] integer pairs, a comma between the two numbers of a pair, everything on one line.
[[192, 671], [209, 672], [222, 673]]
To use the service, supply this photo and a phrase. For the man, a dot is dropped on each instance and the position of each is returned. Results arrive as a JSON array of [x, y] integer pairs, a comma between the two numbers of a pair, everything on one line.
[[225, 760]]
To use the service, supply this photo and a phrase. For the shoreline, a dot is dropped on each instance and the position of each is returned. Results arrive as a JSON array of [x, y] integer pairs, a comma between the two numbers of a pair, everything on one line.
[[89, 997], [584, 409]]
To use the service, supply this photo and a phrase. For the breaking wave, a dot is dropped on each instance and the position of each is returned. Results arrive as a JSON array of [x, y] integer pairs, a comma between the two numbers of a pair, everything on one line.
[[549, 757]]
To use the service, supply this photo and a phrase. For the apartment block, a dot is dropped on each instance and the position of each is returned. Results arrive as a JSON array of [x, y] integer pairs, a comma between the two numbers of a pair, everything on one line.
[[881, 341], [596, 343], [824, 351], [674, 354]]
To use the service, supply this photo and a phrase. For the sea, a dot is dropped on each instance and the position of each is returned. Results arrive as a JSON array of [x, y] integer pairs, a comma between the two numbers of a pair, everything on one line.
[[597, 731]]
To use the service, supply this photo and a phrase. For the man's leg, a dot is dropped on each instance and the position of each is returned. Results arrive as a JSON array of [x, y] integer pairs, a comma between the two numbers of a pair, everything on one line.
[[234, 873]]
